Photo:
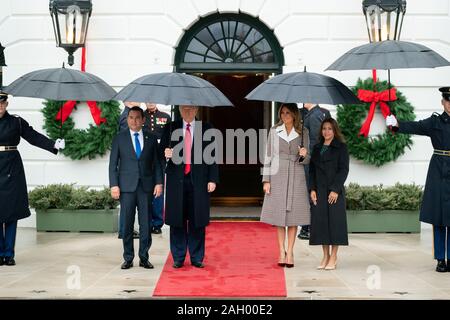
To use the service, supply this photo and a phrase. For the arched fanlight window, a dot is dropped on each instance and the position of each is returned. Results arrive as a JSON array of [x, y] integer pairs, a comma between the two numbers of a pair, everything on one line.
[[229, 41]]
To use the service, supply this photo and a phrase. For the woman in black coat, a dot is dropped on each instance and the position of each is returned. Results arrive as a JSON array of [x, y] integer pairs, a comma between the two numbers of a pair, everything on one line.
[[328, 171]]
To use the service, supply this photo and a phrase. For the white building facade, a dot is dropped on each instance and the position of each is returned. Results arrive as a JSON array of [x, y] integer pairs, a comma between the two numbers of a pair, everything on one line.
[[128, 39]]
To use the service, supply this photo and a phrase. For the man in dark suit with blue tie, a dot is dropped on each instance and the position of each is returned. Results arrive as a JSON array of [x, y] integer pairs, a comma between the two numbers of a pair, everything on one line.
[[134, 173], [190, 179]]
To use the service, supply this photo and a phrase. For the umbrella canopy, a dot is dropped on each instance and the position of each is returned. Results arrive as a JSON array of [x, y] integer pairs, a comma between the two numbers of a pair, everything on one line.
[[389, 54], [172, 88], [306, 87], [61, 84]]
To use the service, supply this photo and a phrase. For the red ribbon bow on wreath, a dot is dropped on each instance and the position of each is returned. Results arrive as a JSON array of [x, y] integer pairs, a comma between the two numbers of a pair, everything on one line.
[[68, 106], [375, 98]]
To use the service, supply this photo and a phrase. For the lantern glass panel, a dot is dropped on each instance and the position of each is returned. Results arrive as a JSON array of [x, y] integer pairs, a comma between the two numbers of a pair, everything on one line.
[[72, 25], [384, 22]]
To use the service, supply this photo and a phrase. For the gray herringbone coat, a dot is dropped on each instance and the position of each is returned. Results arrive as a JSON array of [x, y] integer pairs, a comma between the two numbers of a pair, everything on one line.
[[288, 201]]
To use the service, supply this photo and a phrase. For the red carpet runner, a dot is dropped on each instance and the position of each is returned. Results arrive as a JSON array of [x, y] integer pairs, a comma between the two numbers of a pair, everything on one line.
[[241, 261]]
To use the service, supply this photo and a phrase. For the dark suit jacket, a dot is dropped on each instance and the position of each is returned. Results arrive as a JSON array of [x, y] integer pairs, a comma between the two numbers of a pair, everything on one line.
[[201, 174], [125, 169]]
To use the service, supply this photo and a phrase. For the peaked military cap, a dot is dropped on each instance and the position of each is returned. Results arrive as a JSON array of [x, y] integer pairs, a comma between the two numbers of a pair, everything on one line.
[[445, 93], [3, 96]]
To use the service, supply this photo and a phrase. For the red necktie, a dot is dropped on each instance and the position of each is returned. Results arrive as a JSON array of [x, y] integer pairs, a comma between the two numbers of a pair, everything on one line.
[[187, 149]]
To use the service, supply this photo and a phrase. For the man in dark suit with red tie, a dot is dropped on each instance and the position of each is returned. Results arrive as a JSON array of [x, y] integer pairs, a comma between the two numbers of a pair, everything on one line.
[[190, 180], [134, 174]]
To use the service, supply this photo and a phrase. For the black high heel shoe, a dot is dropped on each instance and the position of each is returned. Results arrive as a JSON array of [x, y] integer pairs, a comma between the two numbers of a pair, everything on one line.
[[282, 264], [290, 265]]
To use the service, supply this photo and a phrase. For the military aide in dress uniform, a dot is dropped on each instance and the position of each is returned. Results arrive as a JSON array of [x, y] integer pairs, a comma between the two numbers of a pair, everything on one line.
[[435, 208], [13, 187]]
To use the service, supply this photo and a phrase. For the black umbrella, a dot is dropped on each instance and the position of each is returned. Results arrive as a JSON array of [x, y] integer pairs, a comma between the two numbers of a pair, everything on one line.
[[61, 84], [387, 55], [172, 88], [306, 87]]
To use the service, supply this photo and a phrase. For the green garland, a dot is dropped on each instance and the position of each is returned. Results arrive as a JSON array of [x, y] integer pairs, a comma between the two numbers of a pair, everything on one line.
[[382, 148], [88, 143]]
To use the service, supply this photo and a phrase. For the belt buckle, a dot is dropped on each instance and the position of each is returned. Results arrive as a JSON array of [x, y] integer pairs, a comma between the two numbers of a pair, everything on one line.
[[2, 148], [442, 152]]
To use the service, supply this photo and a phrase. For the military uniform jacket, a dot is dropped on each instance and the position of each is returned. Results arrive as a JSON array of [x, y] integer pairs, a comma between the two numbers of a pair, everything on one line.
[[435, 208], [155, 122], [201, 174], [13, 187]]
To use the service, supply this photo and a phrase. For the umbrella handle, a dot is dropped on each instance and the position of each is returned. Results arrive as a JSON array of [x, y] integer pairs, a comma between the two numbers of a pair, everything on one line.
[[170, 132], [302, 158], [60, 127]]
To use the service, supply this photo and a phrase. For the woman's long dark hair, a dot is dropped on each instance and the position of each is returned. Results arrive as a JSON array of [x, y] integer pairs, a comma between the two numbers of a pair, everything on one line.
[[337, 131]]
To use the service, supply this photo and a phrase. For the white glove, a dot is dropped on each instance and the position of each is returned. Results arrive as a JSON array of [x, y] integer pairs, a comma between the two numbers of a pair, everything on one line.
[[60, 144], [391, 121]]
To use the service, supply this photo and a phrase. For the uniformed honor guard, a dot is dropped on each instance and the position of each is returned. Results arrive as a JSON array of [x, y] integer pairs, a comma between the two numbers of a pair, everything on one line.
[[435, 208], [13, 187]]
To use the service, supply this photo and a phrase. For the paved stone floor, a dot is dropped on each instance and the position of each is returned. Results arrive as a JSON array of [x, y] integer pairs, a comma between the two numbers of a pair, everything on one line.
[[374, 266]]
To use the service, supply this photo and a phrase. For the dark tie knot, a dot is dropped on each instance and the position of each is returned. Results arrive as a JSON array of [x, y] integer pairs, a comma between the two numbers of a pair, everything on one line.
[[136, 134]]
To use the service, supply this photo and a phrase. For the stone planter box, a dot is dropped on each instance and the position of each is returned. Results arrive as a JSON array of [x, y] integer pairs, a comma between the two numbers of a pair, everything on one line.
[[383, 221], [77, 220]]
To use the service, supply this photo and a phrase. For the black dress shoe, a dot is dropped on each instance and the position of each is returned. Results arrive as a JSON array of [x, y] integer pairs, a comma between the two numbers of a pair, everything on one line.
[[145, 264], [448, 265], [441, 266], [303, 235], [156, 230], [1, 261], [198, 264], [126, 265], [10, 262], [177, 265]]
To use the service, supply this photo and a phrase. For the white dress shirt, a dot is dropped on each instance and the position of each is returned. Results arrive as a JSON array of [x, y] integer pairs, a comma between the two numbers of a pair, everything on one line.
[[140, 137]]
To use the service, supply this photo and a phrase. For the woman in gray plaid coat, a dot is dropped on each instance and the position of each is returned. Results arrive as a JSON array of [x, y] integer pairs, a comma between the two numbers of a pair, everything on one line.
[[286, 201]]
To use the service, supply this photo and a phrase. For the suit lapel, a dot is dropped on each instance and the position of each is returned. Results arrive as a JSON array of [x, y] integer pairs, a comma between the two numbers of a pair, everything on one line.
[[128, 143]]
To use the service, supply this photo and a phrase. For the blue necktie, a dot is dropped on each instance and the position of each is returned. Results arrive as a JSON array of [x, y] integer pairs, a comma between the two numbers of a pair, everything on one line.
[[138, 145]]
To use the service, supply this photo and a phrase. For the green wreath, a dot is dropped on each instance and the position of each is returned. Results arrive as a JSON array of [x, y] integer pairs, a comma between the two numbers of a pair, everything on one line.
[[93, 141], [382, 148]]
